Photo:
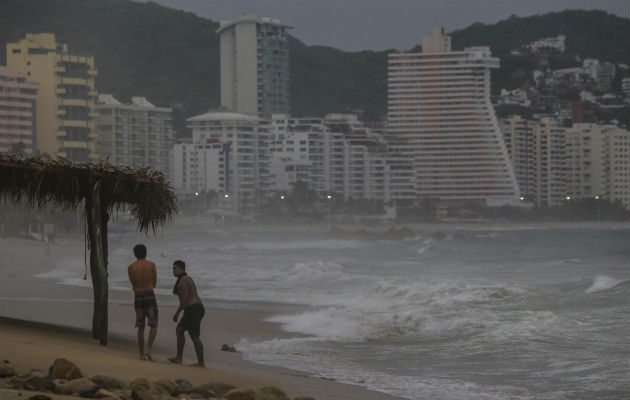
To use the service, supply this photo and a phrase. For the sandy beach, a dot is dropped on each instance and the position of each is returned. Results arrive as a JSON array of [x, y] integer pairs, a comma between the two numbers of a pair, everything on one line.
[[42, 321]]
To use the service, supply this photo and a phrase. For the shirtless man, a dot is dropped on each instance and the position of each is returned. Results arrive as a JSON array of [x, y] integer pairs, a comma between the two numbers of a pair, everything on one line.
[[190, 303], [143, 278]]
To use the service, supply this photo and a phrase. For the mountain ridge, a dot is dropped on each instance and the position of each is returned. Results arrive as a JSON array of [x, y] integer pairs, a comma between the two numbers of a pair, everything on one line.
[[172, 56]]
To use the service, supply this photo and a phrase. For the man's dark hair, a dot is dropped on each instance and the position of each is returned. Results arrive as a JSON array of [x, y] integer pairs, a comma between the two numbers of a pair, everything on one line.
[[180, 264], [140, 251]]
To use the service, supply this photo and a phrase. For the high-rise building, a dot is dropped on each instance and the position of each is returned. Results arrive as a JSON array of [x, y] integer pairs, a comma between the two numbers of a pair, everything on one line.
[[598, 162], [254, 59], [17, 111], [223, 158], [66, 96], [536, 149], [443, 126], [138, 134]]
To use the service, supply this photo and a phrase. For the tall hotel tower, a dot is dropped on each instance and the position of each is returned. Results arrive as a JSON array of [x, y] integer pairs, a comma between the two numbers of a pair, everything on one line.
[[254, 66], [65, 105], [443, 125]]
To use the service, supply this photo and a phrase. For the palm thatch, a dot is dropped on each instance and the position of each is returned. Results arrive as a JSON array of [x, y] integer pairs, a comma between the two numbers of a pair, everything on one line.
[[60, 183], [102, 187]]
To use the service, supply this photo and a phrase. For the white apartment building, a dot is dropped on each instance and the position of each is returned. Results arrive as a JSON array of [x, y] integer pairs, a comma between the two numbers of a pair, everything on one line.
[[443, 125], [336, 155], [135, 134], [223, 157], [536, 149], [254, 66], [598, 162]]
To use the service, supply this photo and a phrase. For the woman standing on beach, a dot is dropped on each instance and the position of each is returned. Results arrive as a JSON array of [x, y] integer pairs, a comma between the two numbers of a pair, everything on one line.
[[190, 303]]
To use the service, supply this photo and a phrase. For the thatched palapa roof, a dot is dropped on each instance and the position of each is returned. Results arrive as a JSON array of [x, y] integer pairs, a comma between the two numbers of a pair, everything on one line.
[[64, 184]]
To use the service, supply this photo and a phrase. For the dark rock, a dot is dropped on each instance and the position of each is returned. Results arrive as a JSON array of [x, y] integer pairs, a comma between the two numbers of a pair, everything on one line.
[[205, 391], [39, 397], [105, 394], [219, 388], [6, 371], [272, 393], [183, 386], [124, 394], [64, 369], [37, 382], [225, 347], [107, 382], [143, 395], [76, 386], [89, 393], [241, 394], [140, 385], [167, 386]]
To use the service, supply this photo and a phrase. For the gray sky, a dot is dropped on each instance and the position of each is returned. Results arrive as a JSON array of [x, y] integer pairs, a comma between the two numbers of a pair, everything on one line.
[[354, 25]]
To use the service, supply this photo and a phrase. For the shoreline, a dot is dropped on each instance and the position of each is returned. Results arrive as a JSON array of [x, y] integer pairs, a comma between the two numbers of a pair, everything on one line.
[[41, 321]]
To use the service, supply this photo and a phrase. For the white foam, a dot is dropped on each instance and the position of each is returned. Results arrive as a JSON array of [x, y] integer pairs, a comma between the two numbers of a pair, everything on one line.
[[601, 283], [331, 244]]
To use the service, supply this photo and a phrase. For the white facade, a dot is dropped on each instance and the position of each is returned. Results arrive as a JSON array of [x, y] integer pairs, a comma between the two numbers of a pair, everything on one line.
[[536, 149], [336, 155], [198, 168], [224, 157], [598, 162], [443, 125], [138, 134], [254, 64]]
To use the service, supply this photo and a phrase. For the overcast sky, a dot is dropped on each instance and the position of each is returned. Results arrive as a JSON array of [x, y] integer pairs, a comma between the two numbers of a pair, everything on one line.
[[354, 25]]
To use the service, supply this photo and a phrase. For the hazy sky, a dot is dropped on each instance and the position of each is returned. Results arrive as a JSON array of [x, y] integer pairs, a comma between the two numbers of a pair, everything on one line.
[[353, 25]]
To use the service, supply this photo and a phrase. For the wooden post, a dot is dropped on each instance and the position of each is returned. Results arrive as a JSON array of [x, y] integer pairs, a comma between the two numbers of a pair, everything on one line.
[[97, 231]]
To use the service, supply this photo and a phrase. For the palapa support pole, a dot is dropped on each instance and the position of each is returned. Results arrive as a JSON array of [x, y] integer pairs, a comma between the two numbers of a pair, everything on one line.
[[97, 232]]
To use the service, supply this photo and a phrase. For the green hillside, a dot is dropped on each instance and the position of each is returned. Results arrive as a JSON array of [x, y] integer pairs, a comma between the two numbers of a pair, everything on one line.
[[171, 56]]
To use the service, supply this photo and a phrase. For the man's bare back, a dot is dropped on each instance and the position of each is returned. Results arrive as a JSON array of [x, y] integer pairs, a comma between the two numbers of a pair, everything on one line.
[[142, 275]]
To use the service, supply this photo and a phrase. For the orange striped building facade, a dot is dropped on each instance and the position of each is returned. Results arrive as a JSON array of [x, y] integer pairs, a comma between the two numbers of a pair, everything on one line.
[[442, 123]]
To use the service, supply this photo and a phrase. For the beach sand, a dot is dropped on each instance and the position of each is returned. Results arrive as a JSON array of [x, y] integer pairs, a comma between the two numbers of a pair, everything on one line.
[[41, 321]]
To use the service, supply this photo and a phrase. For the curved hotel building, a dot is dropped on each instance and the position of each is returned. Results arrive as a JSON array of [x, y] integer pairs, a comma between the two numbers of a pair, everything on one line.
[[443, 127]]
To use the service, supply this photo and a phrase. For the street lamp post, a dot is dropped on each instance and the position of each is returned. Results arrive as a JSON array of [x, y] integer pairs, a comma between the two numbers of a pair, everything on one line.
[[597, 206], [196, 203], [330, 209]]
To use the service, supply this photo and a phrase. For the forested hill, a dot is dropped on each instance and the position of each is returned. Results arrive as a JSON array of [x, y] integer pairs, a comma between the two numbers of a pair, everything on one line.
[[171, 56]]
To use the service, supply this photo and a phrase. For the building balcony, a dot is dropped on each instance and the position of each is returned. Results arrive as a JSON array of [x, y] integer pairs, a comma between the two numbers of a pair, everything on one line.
[[68, 144], [74, 81], [93, 93], [93, 114], [92, 72], [59, 69], [74, 102], [74, 123], [60, 91], [60, 133], [60, 112]]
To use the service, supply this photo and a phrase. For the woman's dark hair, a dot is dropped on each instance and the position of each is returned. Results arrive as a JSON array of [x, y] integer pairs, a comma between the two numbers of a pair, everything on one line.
[[140, 251], [180, 264]]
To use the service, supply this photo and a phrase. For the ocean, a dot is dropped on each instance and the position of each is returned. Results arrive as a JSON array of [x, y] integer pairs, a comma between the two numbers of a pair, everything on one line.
[[463, 313]]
